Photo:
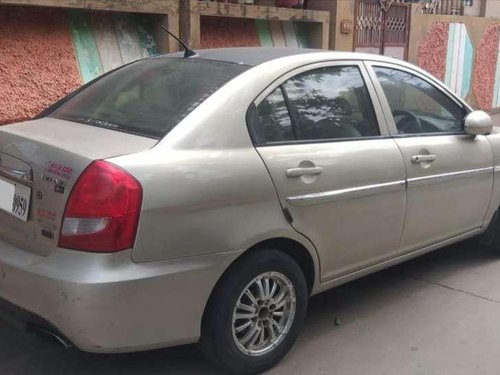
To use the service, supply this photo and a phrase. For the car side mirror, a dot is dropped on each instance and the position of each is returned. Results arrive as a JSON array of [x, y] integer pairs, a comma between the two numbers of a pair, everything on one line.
[[477, 123]]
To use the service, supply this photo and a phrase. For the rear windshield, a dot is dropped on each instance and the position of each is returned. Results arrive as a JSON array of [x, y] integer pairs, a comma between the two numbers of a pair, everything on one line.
[[148, 97]]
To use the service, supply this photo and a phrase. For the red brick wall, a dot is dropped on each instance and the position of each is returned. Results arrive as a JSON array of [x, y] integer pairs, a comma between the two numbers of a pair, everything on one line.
[[37, 63], [485, 67], [432, 50], [217, 32]]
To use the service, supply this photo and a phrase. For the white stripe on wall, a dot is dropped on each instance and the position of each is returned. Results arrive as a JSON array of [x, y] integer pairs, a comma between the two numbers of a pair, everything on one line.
[[496, 92], [290, 36], [461, 56], [458, 59], [126, 35], [449, 53], [455, 55]]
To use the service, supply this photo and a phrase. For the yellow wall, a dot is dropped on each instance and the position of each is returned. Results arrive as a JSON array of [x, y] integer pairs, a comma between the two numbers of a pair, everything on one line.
[[340, 10], [345, 11], [492, 8]]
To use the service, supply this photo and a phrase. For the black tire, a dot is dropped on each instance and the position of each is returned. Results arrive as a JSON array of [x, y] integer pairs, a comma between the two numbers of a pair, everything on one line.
[[217, 340], [490, 239]]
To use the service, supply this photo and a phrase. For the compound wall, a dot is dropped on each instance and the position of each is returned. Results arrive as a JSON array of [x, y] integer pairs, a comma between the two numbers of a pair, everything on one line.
[[464, 52]]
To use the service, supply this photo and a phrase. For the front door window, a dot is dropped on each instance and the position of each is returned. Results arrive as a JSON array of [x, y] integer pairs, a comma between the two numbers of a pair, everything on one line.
[[417, 106]]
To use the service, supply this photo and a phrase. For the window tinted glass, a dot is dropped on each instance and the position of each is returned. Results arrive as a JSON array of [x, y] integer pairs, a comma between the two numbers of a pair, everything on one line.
[[148, 97], [275, 122], [418, 106], [330, 103]]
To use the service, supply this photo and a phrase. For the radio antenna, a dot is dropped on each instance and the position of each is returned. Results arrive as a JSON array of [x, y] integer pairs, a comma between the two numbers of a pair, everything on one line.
[[188, 52]]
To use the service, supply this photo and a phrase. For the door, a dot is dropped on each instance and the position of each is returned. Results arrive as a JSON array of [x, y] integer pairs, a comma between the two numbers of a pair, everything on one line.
[[337, 172], [382, 27], [449, 173]]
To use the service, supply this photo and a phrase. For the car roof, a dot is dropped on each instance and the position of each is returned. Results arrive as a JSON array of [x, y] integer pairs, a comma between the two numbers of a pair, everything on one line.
[[246, 55], [253, 56]]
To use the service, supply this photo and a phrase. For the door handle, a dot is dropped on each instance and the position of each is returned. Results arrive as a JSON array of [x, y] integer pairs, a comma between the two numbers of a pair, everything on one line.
[[417, 159], [306, 171]]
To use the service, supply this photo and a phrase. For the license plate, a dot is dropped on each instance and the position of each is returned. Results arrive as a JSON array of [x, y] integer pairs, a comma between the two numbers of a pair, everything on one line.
[[15, 199]]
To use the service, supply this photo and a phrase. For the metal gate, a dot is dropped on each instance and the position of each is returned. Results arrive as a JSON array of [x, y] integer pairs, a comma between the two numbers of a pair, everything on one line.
[[382, 27]]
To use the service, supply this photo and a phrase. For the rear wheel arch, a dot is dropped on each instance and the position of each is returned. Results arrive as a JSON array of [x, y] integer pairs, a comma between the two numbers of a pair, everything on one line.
[[292, 248], [295, 250]]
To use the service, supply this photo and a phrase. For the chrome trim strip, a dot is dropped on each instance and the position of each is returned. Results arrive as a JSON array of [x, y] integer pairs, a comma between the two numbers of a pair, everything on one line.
[[497, 168], [15, 169], [16, 174], [343, 194], [369, 190], [443, 177]]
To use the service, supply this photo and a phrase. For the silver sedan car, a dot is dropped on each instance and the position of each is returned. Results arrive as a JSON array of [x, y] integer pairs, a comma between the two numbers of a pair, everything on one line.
[[204, 199]]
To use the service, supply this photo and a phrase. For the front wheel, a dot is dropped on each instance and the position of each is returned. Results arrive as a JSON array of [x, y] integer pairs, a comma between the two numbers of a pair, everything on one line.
[[255, 313]]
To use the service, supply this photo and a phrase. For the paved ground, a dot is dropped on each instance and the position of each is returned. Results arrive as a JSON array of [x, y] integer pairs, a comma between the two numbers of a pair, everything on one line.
[[439, 314]]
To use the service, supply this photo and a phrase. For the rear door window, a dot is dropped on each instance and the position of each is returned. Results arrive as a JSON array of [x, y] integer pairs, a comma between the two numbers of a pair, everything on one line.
[[148, 97], [323, 104]]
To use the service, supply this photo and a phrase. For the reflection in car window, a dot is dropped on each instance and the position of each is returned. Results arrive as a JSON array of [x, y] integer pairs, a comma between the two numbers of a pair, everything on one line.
[[330, 103], [327, 103], [418, 106], [275, 121]]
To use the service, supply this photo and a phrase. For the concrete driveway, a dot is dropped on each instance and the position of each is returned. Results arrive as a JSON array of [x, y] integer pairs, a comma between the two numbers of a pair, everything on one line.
[[439, 314]]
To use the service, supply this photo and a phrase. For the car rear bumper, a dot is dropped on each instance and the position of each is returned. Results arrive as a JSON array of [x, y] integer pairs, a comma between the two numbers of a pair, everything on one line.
[[106, 303]]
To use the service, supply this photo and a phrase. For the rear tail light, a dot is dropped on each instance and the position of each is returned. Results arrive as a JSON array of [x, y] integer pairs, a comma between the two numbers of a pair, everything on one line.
[[102, 211]]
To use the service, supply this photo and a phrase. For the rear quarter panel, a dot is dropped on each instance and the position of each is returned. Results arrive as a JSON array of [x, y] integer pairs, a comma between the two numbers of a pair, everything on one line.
[[203, 201]]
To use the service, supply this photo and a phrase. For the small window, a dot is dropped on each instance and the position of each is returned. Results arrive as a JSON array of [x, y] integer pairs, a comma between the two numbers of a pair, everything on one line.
[[323, 104], [417, 106]]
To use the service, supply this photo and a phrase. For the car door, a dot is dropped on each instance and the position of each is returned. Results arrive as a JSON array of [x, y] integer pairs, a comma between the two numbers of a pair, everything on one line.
[[339, 176], [449, 173]]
